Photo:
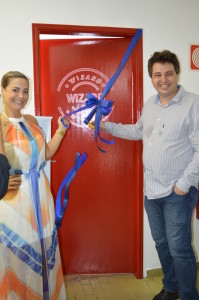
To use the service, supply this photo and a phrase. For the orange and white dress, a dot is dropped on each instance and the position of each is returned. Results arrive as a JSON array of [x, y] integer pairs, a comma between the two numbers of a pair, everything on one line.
[[30, 265]]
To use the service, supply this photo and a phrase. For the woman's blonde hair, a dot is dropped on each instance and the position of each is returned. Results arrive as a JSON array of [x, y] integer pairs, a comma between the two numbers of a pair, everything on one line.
[[7, 77]]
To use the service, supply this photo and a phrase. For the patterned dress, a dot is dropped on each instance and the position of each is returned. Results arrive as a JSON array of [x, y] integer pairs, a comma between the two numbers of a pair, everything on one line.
[[30, 265]]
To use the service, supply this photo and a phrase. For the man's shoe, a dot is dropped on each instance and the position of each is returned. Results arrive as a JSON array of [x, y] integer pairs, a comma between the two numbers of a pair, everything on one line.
[[163, 295]]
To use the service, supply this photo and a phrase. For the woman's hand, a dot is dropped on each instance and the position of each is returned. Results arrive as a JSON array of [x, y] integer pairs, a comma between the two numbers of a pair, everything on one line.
[[14, 182], [61, 125]]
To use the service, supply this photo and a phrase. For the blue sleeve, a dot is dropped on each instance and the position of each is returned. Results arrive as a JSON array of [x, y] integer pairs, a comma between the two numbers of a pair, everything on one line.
[[4, 175]]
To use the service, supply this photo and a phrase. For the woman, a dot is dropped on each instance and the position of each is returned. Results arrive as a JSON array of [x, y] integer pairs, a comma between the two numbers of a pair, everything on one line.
[[30, 265]]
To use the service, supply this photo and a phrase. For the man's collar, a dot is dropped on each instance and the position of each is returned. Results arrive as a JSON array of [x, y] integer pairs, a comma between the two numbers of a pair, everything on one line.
[[176, 98]]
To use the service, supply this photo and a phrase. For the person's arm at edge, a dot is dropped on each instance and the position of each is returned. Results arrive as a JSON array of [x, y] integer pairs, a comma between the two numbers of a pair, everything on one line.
[[4, 168]]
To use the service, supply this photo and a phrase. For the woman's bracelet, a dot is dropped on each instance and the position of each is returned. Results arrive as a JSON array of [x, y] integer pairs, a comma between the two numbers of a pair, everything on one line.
[[61, 132]]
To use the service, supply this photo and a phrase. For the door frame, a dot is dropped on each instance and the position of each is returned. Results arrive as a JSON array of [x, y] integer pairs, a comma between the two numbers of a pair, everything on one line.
[[56, 29]]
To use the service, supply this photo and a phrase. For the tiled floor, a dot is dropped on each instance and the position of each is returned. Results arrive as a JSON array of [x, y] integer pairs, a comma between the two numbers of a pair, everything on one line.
[[112, 287]]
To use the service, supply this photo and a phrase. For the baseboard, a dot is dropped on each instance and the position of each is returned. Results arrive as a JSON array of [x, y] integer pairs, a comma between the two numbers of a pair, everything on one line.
[[158, 272], [154, 273]]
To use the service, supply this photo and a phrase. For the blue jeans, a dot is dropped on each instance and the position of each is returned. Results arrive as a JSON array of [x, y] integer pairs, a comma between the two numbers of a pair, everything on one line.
[[170, 221]]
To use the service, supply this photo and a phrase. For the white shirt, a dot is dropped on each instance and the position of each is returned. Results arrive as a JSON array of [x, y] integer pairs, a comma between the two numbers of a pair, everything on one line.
[[170, 137]]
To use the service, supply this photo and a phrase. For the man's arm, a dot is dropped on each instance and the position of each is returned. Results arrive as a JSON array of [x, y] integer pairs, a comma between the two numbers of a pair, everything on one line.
[[124, 131], [190, 176]]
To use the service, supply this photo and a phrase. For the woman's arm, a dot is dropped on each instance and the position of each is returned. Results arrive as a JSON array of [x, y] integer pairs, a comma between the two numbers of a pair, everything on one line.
[[54, 143]]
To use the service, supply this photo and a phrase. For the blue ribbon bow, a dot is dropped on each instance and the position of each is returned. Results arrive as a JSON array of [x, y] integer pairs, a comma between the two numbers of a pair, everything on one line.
[[103, 107], [60, 209]]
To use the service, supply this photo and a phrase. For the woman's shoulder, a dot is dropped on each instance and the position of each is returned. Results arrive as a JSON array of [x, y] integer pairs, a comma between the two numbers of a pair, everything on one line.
[[31, 118]]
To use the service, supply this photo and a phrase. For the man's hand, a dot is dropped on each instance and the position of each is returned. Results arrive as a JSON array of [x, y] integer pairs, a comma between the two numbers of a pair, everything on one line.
[[101, 125], [178, 191]]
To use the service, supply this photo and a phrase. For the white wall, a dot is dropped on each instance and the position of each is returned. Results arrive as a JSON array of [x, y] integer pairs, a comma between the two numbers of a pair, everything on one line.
[[171, 24]]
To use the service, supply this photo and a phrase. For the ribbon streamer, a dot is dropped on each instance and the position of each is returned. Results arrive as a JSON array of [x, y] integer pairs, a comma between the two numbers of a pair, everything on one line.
[[103, 107], [60, 209]]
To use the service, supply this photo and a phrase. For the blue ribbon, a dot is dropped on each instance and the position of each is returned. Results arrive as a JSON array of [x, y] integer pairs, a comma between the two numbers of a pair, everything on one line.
[[33, 176], [20, 172], [103, 107], [60, 209]]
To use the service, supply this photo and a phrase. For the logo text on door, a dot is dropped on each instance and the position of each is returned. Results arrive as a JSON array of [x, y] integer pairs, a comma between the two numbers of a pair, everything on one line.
[[76, 84]]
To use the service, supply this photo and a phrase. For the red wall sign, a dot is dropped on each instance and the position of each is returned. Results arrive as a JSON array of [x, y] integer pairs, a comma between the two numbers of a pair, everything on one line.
[[195, 57]]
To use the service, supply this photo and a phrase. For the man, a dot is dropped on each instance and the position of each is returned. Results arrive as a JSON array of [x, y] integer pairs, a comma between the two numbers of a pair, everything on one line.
[[169, 128], [4, 168]]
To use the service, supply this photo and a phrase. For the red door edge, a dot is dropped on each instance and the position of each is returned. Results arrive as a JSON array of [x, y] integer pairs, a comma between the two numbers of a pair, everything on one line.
[[58, 29]]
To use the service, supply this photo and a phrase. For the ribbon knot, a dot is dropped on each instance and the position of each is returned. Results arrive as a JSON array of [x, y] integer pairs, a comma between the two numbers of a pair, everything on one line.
[[102, 106], [20, 172]]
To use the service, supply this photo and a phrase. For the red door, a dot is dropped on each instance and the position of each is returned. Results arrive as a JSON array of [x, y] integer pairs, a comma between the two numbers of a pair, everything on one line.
[[100, 231]]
